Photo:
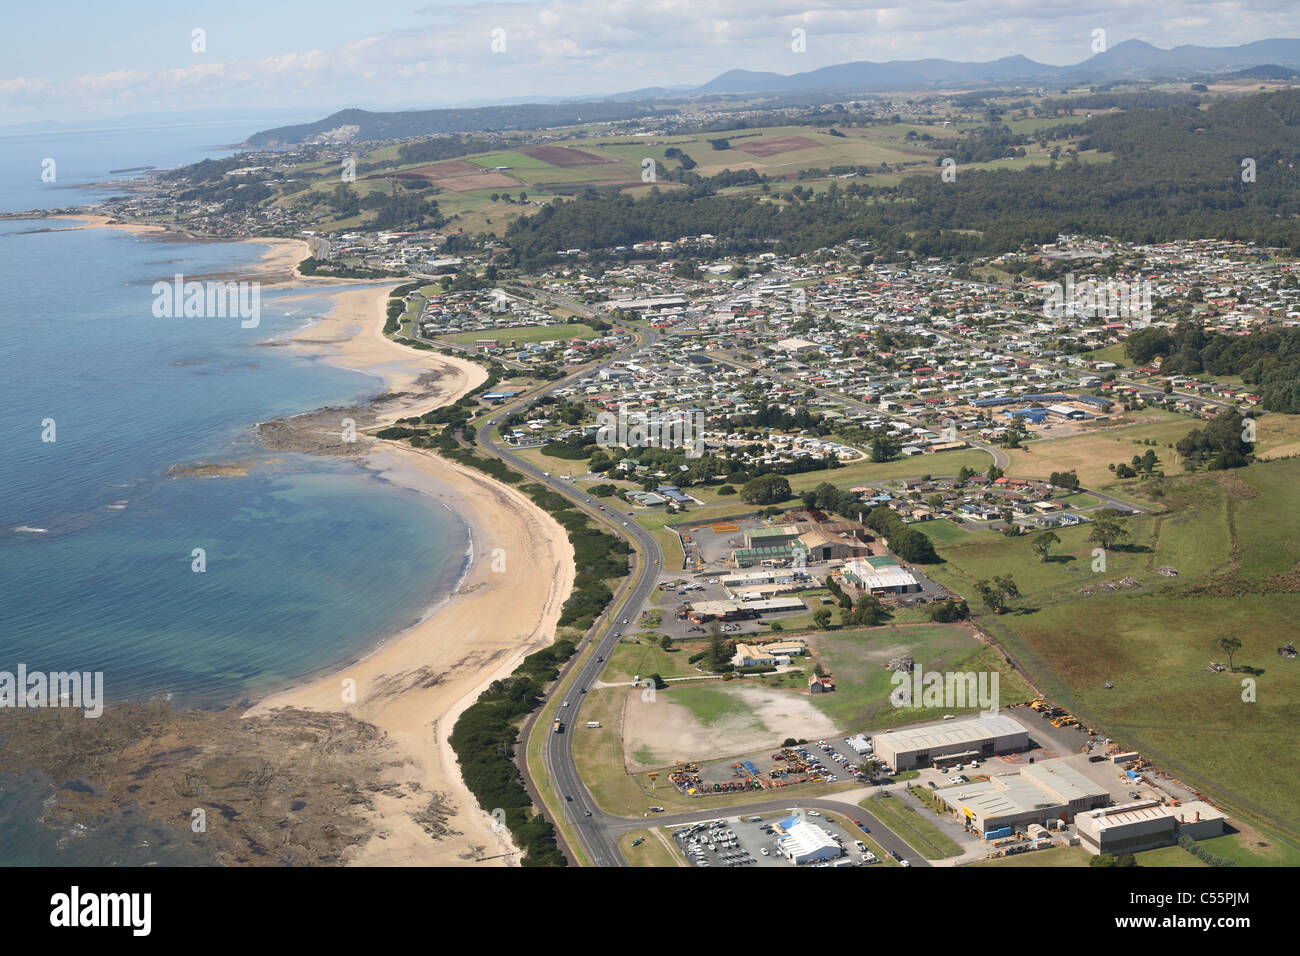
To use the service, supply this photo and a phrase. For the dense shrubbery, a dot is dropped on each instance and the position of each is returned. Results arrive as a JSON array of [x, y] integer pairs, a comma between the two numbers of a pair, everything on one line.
[[908, 543], [766, 490], [311, 266], [1269, 359], [1202, 854], [485, 736], [947, 611], [1217, 446]]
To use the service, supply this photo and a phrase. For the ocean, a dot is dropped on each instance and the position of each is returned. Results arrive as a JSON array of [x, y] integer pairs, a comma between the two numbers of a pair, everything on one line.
[[310, 561]]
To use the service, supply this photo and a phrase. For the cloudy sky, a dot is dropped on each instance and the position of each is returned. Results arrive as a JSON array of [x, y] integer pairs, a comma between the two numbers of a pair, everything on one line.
[[91, 60]]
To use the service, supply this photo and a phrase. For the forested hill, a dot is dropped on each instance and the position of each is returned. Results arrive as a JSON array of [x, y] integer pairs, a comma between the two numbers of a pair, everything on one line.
[[1174, 173], [359, 125]]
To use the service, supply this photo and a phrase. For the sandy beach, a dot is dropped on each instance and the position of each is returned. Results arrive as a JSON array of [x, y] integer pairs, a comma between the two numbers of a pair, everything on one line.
[[415, 685]]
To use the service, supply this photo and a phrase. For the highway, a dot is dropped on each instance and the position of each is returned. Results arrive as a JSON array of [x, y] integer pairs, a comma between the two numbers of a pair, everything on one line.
[[600, 844]]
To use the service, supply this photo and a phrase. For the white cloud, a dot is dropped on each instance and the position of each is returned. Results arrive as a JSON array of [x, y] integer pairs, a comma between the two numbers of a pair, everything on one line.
[[578, 47]]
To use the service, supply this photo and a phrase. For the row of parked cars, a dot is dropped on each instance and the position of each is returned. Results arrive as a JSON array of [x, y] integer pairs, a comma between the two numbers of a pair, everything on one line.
[[839, 758], [718, 840]]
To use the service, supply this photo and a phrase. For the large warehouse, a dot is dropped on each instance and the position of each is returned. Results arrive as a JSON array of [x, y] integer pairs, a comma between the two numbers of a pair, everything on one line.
[[978, 738], [1039, 793], [1145, 825]]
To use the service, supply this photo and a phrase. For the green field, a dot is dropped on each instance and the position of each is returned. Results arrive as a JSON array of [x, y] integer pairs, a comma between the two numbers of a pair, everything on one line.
[[942, 531], [857, 659], [1053, 857], [943, 463], [656, 849], [712, 702], [629, 660], [1234, 538], [1090, 453], [513, 160]]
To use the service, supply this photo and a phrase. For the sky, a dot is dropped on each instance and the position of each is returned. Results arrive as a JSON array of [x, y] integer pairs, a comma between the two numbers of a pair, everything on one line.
[[89, 60]]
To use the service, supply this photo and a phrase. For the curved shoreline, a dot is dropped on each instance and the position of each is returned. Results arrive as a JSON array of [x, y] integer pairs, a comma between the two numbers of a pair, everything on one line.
[[414, 683]]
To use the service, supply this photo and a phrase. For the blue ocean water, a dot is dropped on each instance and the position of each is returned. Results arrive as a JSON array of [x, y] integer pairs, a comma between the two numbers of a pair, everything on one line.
[[308, 562]]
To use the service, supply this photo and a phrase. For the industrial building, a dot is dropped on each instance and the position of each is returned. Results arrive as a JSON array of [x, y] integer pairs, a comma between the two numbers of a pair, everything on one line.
[[806, 842], [823, 546], [879, 575], [1035, 415], [1145, 825], [1038, 794], [702, 611], [977, 738], [749, 578], [770, 536], [764, 592]]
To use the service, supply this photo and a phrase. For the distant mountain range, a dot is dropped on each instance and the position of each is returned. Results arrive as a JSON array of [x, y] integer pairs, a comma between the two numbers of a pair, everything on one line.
[[1132, 60]]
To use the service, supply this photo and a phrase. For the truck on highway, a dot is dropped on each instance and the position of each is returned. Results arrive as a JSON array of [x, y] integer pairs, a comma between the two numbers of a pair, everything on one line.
[[558, 726]]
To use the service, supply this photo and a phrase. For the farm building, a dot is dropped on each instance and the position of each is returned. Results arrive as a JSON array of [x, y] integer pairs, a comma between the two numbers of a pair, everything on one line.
[[1145, 825], [979, 738], [787, 648], [747, 655]]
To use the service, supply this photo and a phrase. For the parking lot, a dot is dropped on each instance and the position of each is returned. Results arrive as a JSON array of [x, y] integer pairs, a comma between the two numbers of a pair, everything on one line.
[[742, 841]]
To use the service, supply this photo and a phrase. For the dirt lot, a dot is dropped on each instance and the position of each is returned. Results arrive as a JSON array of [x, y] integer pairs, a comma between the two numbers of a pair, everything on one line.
[[778, 145], [703, 722]]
